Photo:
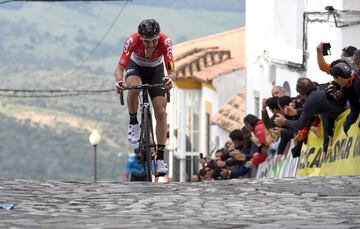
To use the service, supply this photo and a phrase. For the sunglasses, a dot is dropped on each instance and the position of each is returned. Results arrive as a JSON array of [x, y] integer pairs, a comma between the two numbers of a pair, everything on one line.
[[150, 39]]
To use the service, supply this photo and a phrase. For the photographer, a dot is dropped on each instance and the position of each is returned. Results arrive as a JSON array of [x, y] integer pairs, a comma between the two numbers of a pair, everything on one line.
[[350, 85], [316, 102], [346, 55]]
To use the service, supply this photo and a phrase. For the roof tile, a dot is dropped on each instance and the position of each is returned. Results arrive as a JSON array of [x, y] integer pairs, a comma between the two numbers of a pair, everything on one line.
[[231, 115], [209, 57]]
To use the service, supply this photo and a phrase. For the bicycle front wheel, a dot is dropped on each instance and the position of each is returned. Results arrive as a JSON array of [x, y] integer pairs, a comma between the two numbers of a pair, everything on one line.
[[147, 147]]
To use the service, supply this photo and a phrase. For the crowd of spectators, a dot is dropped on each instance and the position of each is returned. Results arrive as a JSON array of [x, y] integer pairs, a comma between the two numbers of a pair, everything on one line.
[[263, 138]]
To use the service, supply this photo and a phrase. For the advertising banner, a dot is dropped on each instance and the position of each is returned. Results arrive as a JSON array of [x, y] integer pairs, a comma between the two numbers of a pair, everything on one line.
[[341, 158]]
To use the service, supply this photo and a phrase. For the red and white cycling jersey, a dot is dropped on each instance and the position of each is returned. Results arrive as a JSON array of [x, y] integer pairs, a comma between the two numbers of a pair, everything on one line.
[[134, 50]]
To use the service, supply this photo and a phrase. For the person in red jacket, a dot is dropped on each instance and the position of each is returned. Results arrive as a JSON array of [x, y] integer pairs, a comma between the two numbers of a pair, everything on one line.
[[255, 125]]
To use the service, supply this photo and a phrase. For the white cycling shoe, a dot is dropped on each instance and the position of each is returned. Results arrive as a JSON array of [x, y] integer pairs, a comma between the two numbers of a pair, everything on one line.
[[161, 167], [133, 133]]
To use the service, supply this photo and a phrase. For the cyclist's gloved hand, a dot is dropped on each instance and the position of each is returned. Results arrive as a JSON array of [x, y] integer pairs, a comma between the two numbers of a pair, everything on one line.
[[119, 86], [168, 83]]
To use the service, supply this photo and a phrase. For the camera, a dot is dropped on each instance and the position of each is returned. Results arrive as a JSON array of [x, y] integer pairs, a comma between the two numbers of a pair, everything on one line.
[[326, 49], [333, 91]]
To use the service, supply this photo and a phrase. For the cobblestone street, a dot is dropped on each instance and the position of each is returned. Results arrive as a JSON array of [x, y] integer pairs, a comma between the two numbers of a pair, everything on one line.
[[311, 202]]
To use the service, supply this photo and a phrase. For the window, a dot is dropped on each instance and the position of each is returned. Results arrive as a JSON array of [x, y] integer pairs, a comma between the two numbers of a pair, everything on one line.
[[287, 89], [192, 121]]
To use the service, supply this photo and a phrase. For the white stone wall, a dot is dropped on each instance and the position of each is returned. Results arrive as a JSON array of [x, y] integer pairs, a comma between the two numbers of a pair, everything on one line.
[[227, 86]]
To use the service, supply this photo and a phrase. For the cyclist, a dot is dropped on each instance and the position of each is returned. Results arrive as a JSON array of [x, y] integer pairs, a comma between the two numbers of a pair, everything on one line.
[[142, 61]]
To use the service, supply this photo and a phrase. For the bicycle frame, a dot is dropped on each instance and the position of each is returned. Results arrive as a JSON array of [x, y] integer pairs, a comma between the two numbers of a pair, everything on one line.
[[147, 144]]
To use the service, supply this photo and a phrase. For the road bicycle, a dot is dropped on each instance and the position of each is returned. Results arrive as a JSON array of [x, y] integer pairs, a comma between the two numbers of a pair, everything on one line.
[[147, 146]]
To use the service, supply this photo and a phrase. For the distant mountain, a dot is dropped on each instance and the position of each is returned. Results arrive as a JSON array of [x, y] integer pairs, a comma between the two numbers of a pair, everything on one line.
[[63, 46], [64, 34], [215, 5]]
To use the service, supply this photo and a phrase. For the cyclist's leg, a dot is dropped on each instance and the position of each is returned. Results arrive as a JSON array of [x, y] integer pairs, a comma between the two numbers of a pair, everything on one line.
[[133, 77], [159, 103], [132, 98]]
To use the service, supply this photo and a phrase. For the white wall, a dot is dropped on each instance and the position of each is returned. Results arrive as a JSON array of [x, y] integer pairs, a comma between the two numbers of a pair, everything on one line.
[[227, 86], [272, 32], [223, 136]]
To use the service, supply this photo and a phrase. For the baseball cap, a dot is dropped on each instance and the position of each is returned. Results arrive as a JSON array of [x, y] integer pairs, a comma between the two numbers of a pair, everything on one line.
[[341, 69]]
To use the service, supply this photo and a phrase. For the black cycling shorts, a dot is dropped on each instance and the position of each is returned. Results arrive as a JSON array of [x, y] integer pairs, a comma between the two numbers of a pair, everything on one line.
[[148, 75]]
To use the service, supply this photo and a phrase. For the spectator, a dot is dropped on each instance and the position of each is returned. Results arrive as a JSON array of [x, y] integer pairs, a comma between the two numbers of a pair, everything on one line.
[[283, 102], [286, 134], [134, 169], [229, 145], [236, 164], [316, 102], [236, 137], [356, 62], [296, 102], [278, 91], [255, 125], [273, 105], [346, 55], [350, 84]]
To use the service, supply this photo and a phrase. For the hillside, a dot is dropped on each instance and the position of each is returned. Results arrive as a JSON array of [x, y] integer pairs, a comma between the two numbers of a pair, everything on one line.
[[63, 46], [66, 155], [62, 35]]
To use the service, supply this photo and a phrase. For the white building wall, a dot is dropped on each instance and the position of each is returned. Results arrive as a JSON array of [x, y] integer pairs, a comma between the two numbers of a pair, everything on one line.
[[223, 137], [271, 33], [227, 86], [177, 118], [274, 31]]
